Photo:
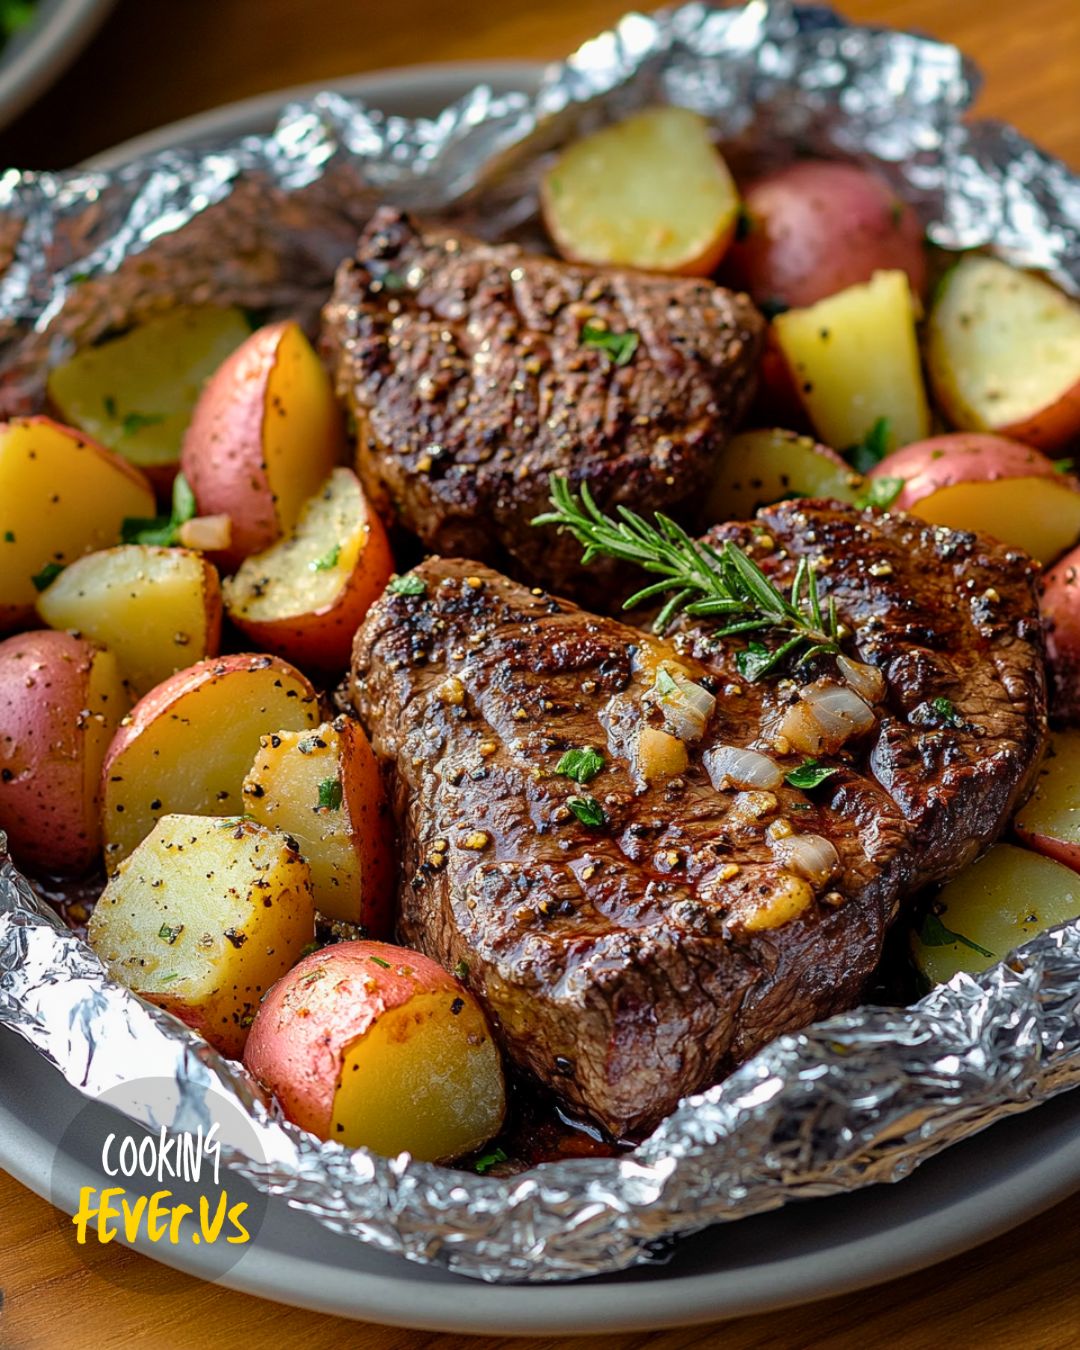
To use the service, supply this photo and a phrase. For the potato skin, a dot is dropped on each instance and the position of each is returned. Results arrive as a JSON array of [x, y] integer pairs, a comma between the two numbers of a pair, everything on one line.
[[55, 723], [819, 226], [929, 465], [1048, 820], [1061, 609]]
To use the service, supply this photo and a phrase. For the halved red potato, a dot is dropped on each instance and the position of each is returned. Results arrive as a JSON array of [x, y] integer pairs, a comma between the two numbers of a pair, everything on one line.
[[60, 701], [378, 1047], [304, 597], [1003, 353], [759, 467], [1060, 607], [323, 788], [136, 393], [188, 743], [156, 609], [265, 433], [1049, 821], [855, 360], [202, 919], [816, 227], [61, 495], [992, 907], [651, 191], [970, 481]]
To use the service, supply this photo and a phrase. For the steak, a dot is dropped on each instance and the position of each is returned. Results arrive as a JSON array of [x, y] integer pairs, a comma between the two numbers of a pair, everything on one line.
[[464, 367], [631, 959]]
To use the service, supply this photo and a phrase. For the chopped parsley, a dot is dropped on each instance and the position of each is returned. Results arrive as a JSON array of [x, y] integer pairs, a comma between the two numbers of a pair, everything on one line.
[[619, 346], [581, 765], [461, 969], [380, 962], [753, 661], [409, 584], [328, 560], [168, 934], [166, 979], [810, 774], [665, 683], [109, 404], [330, 794], [933, 933], [588, 810], [9, 536], [947, 711], [1066, 465], [162, 530], [880, 493], [135, 421], [44, 579], [872, 449], [489, 1160]]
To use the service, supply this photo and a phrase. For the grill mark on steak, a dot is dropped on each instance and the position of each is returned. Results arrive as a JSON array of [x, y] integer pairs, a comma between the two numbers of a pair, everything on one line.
[[463, 367], [617, 961]]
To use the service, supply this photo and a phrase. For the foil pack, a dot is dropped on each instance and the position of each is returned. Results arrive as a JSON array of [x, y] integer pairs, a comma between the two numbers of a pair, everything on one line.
[[262, 221]]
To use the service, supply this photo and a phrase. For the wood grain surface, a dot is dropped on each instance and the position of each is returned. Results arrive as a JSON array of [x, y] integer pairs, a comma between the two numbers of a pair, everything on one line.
[[156, 60]]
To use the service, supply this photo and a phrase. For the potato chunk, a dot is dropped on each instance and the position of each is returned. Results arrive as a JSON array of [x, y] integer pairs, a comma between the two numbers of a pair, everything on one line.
[[202, 919]]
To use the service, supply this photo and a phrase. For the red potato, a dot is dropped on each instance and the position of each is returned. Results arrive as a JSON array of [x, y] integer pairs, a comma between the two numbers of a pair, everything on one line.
[[970, 481], [305, 596], [61, 495], [378, 1047], [60, 700], [264, 435], [188, 743], [1049, 821], [818, 226], [1003, 353], [1061, 609]]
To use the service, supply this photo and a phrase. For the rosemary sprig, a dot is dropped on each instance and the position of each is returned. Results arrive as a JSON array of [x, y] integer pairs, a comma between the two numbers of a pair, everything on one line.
[[699, 580]]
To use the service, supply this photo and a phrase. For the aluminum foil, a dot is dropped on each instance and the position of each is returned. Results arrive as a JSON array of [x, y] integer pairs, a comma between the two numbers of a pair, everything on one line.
[[262, 221]]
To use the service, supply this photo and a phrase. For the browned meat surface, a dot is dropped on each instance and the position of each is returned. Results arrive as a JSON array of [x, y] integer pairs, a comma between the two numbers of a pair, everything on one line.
[[633, 962], [464, 367]]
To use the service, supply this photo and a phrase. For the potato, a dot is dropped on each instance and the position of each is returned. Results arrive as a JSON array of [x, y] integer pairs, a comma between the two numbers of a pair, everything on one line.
[[1061, 609], [202, 919], [1003, 353], [378, 1047], [650, 192], [305, 596], [323, 788], [776, 400], [977, 482], [157, 610], [1049, 821], [188, 743], [992, 907], [855, 360], [60, 700], [135, 394], [61, 495], [817, 227], [759, 467], [264, 435]]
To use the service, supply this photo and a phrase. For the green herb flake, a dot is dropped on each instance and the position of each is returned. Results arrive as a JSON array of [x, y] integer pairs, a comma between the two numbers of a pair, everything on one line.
[[328, 560], [880, 493], [461, 970], [1065, 466], [409, 584], [167, 979], [665, 683], [109, 403], [44, 579], [810, 774], [872, 449], [933, 933], [619, 346], [135, 421], [308, 948], [947, 711], [380, 962], [588, 810], [488, 1161], [9, 536], [753, 661], [168, 934], [14, 16], [330, 794], [163, 531], [582, 765]]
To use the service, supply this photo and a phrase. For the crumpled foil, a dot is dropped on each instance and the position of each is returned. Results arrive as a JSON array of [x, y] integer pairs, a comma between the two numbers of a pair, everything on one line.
[[262, 222]]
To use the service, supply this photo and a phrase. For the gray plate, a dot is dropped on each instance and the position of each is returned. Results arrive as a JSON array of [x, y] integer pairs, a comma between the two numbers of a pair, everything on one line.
[[810, 1250]]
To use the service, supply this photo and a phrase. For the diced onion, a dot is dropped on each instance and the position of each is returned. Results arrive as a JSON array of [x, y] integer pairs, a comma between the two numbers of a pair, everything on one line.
[[686, 708], [867, 681], [659, 755], [825, 716], [807, 855], [732, 766]]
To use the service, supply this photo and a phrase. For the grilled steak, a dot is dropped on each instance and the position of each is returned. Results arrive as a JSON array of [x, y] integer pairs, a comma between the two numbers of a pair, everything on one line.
[[632, 961], [465, 369]]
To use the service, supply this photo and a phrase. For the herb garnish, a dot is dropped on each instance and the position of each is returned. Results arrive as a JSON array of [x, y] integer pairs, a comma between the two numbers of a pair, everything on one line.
[[880, 492], [489, 1160], [947, 711], [933, 933], [588, 810], [409, 584], [162, 530], [173, 975], [702, 581], [328, 560], [380, 962], [580, 764], [810, 774], [44, 579], [1066, 465], [871, 450], [665, 682], [135, 421], [330, 794], [619, 346], [461, 969], [168, 934]]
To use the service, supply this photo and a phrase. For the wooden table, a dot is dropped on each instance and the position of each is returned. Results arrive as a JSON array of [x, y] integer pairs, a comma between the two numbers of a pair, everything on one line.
[[154, 62]]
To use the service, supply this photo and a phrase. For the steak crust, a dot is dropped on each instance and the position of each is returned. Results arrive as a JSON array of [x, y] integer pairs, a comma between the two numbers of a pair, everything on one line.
[[464, 368], [628, 965]]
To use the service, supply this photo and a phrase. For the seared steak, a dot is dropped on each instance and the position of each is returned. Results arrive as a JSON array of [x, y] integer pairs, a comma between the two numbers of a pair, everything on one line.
[[465, 369], [635, 960]]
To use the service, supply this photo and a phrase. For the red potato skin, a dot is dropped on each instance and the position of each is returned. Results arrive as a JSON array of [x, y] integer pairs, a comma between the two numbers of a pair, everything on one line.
[[962, 457], [43, 802], [1052, 428], [324, 1004], [819, 226], [364, 798], [1061, 614], [1059, 849]]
